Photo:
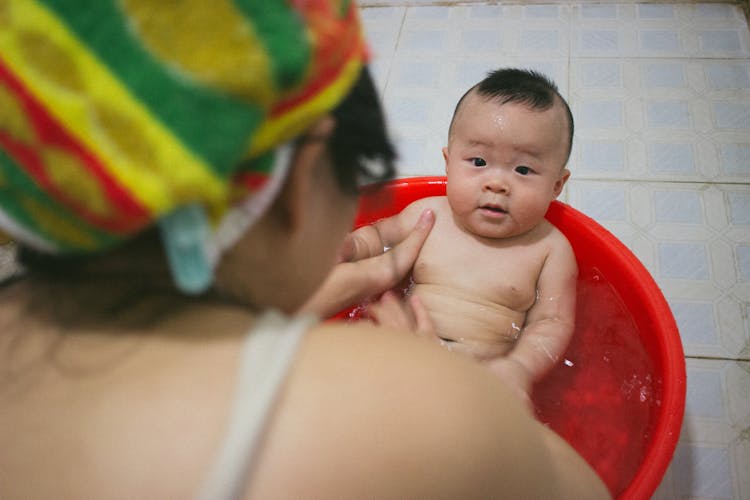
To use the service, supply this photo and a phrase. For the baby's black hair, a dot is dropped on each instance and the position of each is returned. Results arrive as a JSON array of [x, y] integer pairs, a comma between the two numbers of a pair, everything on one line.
[[360, 148], [521, 86]]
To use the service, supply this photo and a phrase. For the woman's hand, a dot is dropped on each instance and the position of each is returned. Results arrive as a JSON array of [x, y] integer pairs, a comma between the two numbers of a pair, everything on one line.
[[353, 281], [407, 314]]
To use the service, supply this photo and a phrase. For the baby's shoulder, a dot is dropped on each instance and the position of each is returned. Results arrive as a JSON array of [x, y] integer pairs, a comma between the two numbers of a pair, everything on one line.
[[552, 235], [557, 247], [438, 204], [433, 202]]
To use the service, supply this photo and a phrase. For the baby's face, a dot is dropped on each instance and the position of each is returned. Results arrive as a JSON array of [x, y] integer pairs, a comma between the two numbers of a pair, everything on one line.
[[505, 164]]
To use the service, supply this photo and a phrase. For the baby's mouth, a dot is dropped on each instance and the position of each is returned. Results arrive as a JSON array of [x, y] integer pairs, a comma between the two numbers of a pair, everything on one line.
[[494, 209]]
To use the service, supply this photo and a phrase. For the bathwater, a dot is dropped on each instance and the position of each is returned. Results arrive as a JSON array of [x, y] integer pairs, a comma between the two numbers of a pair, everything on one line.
[[602, 395]]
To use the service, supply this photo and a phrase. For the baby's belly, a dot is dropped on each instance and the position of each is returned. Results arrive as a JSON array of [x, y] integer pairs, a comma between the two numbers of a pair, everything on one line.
[[470, 324]]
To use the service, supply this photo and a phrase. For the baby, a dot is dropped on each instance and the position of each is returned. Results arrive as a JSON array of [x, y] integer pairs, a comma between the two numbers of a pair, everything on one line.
[[497, 280]]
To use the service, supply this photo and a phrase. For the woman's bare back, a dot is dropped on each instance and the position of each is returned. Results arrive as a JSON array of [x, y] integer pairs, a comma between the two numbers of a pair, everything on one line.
[[146, 424]]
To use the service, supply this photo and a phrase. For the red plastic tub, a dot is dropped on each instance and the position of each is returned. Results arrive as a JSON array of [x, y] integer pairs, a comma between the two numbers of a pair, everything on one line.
[[618, 396]]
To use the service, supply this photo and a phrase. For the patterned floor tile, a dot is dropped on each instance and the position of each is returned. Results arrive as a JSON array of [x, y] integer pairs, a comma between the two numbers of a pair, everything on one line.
[[714, 449]]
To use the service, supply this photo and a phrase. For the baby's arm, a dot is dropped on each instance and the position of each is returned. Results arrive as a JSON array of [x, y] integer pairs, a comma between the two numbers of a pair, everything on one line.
[[549, 323]]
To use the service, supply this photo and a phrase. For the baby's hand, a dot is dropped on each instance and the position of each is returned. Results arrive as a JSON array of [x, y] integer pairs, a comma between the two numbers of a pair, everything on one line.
[[515, 376], [407, 314]]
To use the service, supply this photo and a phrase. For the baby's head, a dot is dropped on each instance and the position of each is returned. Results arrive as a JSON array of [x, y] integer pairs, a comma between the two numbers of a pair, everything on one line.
[[526, 87], [508, 144]]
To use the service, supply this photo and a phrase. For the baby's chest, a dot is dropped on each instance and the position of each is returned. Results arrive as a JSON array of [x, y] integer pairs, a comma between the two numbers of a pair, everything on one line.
[[503, 275]]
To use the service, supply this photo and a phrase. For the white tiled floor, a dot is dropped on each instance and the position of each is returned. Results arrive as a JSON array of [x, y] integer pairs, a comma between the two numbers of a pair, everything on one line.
[[661, 96]]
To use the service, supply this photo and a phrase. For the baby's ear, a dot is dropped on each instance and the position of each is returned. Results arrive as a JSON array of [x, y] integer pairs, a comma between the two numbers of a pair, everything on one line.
[[560, 183], [445, 156]]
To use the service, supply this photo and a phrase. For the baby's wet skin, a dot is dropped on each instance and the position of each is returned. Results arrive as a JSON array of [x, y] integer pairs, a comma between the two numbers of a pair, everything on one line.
[[470, 325]]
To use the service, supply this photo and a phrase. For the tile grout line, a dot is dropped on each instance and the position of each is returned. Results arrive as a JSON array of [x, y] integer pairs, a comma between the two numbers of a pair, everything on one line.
[[395, 49], [717, 358], [660, 181]]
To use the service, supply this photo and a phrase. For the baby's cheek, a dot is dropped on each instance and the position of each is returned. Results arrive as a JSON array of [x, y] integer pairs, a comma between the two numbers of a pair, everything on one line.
[[462, 204]]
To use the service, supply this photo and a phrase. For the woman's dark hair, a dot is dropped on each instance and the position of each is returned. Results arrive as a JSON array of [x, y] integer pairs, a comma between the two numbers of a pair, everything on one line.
[[521, 86], [360, 148]]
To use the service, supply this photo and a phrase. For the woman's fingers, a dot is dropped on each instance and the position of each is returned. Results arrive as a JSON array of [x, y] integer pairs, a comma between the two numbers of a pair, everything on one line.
[[348, 249], [403, 314], [395, 264], [424, 325], [352, 281], [405, 253], [361, 244], [391, 312]]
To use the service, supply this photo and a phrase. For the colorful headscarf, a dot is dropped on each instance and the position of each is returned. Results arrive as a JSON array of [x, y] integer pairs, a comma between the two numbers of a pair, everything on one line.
[[117, 114]]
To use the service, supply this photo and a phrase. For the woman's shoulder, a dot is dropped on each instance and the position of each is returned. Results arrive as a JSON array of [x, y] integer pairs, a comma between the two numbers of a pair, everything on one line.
[[372, 413]]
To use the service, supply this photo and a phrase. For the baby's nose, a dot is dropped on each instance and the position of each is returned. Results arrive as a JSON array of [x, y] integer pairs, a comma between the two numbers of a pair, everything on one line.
[[497, 182]]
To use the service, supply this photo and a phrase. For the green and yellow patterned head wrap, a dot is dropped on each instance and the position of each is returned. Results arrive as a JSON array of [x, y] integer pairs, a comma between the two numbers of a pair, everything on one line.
[[115, 114]]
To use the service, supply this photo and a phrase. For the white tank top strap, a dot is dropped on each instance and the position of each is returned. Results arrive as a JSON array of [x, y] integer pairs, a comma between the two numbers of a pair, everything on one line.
[[267, 354]]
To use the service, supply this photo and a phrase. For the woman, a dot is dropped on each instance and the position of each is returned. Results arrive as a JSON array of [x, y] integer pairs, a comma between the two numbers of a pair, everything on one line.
[[174, 176]]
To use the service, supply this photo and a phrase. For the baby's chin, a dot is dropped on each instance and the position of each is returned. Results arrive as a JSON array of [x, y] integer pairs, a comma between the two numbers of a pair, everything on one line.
[[475, 223], [492, 233]]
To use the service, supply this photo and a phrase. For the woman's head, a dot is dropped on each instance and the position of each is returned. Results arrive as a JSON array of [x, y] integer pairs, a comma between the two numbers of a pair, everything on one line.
[[116, 118], [292, 247]]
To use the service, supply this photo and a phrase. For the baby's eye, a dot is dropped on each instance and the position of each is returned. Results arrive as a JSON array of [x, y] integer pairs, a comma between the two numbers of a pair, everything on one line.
[[478, 162], [523, 170]]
